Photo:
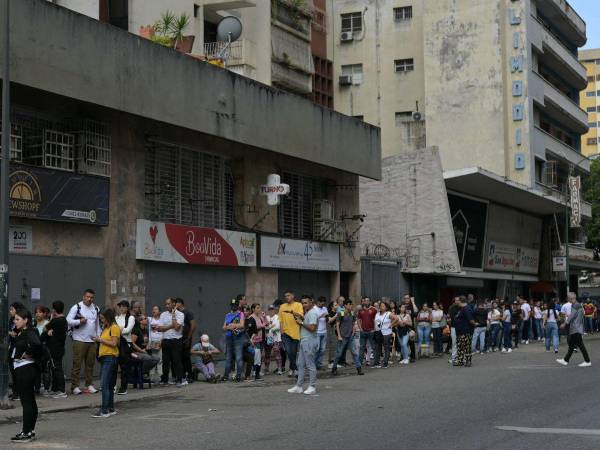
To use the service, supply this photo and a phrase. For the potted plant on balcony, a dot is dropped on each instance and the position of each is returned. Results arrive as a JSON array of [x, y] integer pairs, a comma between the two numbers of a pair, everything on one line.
[[169, 31]]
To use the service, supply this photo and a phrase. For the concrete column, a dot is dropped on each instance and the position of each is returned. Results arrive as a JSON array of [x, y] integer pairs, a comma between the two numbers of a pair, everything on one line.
[[261, 285]]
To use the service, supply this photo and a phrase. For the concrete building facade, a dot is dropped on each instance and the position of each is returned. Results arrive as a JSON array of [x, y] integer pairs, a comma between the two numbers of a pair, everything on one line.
[[590, 101], [160, 182], [494, 85]]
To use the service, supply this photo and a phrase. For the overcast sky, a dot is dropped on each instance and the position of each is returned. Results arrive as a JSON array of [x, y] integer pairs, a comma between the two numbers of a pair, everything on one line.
[[590, 11]]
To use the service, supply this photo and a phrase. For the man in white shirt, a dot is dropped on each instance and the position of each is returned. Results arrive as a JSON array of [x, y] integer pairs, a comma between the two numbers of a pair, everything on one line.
[[321, 330], [83, 321], [526, 317], [126, 322], [171, 325]]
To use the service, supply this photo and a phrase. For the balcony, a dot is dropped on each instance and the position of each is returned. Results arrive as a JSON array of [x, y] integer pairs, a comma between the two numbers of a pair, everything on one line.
[[565, 19], [292, 63], [557, 56], [241, 53], [557, 105], [544, 142]]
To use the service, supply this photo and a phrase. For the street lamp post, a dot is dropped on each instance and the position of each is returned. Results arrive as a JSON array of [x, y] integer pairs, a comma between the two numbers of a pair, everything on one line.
[[4, 212]]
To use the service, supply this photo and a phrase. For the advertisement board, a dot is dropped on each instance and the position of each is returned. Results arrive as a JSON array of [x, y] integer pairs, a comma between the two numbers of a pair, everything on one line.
[[512, 258], [298, 254]]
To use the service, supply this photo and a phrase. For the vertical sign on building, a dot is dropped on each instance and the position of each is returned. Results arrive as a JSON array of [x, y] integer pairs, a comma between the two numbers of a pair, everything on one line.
[[574, 188], [516, 65]]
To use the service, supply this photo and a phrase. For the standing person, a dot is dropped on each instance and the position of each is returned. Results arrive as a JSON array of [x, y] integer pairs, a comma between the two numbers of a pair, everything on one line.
[[526, 321], [332, 337], [537, 321], [108, 354], [234, 326], [494, 320], [366, 327], [290, 330], [507, 327], [452, 312], [126, 321], [273, 342], [321, 331], [55, 336], [411, 308], [83, 319], [424, 329], [588, 310], [189, 328], [517, 323], [384, 322], [345, 326], [154, 343], [550, 319], [41, 314], [136, 310], [309, 345], [12, 334], [480, 317], [171, 325], [41, 318], [25, 349], [437, 316], [575, 323], [402, 332], [255, 326], [464, 323]]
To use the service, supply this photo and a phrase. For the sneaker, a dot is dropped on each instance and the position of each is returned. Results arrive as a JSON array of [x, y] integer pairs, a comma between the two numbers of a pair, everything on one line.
[[182, 384], [503, 350], [295, 390], [112, 412], [100, 414], [279, 372], [23, 437], [91, 389], [585, 364], [405, 361], [377, 366], [562, 361], [310, 391], [60, 395], [509, 350], [122, 392], [556, 352], [76, 391], [290, 374], [526, 342], [547, 350]]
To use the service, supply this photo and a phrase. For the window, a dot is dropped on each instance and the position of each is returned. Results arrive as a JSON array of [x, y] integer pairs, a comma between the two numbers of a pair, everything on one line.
[[187, 186], [352, 22], [403, 116], [591, 109], [590, 94], [592, 141], [355, 70], [590, 79], [404, 65], [597, 77], [592, 124], [403, 13]]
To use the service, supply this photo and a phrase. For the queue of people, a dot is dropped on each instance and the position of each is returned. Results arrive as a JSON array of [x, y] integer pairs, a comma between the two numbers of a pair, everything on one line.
[[303, 333]]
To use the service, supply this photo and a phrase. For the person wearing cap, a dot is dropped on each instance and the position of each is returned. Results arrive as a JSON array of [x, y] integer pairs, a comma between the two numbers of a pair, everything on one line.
[[126, 321], [202, 358], [233, 326]]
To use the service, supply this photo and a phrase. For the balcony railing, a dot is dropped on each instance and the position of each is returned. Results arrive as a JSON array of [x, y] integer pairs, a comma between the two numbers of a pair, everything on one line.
[[239, 53], [571, 107]]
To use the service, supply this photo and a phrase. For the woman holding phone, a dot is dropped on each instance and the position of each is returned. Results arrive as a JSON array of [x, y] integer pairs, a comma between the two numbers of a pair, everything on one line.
[[108, 354]]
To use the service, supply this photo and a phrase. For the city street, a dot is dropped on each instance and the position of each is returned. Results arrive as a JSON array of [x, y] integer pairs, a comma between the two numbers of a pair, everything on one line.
[[522, 400]]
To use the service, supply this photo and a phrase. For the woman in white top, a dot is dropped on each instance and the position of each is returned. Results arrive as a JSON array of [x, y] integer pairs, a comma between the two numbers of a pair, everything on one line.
[[384, 322], [154, 342], [403, 330], [273, 344], [494, 318], [550, 318], [437, 314], [537, 321], [507, 328], [126, 323]]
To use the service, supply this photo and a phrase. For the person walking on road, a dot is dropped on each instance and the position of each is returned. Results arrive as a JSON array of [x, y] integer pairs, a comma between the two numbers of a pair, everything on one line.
[[550, 319], [309, 345], [575, 321], [83, 319]]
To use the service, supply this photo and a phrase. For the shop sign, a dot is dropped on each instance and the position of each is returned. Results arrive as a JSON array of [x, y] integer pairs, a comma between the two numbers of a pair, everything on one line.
[[559, 263], [47, 194], [298, 254], [20, 239], [469, 219], [274, 189], [156, 241], [575, 187], [512, 258]]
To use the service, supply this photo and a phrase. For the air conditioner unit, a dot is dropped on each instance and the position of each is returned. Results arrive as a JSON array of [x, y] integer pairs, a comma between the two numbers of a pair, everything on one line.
[[345, 80], [417, 116], [323, 210], [346, 36]]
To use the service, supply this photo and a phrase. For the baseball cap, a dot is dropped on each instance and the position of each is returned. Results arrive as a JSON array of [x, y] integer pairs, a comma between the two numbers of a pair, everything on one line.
[[271, 306]]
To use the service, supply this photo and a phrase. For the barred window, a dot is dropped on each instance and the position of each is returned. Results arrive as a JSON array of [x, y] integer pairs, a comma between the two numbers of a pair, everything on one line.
[[403, 13], [188, 186], [295, 210], [352, 22], [404, 65]]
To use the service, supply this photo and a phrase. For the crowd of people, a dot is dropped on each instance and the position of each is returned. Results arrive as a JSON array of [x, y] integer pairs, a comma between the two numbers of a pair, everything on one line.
[[304, 334]]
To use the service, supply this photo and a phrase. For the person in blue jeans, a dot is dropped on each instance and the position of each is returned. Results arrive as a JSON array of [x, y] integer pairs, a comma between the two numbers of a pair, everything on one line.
[[507, 328], [235, 338], [550, 317], [481, 317], [321, 331], [495, 321], [345, 326], [424, 329], [108, 353]]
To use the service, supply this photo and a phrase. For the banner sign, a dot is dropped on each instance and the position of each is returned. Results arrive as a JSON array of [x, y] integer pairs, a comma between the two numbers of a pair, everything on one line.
[[559, 263], [297, 254], [20, 239], [47, 194], [511, 258], [156, 241], [575, 187], [469, 219]]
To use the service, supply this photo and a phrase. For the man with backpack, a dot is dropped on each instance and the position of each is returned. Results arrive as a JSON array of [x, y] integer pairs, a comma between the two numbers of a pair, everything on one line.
[[83, 320]]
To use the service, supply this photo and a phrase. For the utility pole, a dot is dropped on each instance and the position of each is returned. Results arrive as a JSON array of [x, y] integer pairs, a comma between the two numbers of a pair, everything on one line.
[[4, 211]]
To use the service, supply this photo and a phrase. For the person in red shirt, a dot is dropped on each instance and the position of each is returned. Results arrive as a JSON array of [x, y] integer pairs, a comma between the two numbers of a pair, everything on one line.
[[366, 325]]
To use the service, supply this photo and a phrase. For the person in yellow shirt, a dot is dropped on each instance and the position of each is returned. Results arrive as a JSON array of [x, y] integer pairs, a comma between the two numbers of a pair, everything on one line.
[[290, 330], [108, 354]]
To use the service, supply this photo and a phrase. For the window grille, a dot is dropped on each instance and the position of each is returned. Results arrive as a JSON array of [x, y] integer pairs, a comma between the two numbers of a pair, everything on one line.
[[93, 143], [404, 65], [188, 186], [295, 210], [52, 148], [403, 13], [352, 22], [16, 142]]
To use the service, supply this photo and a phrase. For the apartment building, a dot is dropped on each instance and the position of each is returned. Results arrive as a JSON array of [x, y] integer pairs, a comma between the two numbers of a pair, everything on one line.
[[494, 86], [590, 101], [283, 43]]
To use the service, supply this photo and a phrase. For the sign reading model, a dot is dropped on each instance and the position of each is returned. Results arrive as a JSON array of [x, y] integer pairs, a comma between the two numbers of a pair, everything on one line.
[[156, 241], [297, 254], [47, 194]]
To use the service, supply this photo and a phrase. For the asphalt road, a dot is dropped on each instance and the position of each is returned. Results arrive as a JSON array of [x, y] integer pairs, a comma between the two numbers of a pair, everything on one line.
[[423, 406]]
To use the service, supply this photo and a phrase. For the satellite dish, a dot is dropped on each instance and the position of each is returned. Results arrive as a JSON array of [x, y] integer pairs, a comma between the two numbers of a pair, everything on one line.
[[229, 29]]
